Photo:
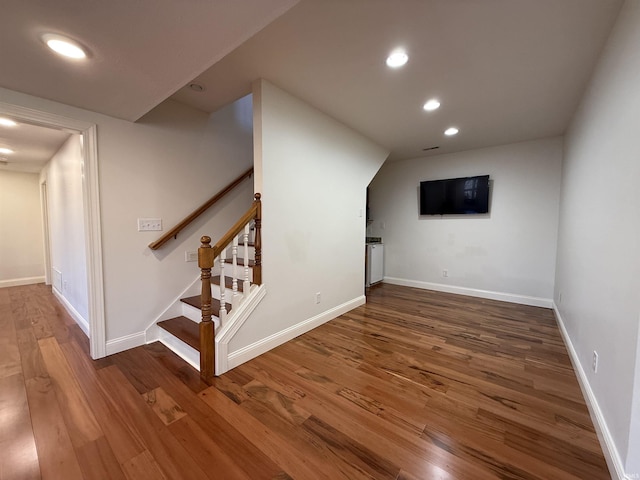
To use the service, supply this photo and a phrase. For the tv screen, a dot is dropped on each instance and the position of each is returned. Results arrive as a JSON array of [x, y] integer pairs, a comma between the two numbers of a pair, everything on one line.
[[455, 196]]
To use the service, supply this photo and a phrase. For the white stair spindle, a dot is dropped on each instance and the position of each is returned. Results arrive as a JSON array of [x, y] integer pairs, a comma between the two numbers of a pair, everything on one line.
[[223, 305], [234, 278], [246, 284]]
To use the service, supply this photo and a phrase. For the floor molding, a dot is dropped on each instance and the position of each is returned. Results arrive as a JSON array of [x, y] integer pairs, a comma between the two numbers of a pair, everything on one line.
[[79, 319], [473, 292], [18, 282], [127, 342], [614, 462]]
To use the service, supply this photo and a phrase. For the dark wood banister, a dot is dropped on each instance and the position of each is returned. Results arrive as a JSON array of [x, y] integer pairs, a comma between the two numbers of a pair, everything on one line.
[[206, 258], [199, 211]]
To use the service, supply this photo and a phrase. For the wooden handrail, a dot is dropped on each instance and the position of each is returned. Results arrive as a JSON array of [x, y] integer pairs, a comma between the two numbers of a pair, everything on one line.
[[199, 211]]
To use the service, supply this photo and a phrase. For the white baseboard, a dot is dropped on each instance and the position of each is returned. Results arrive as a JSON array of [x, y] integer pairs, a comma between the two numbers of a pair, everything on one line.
[[473, 292], [614, 462], [121, 344], [262, 346], [79, 319], [17, 282]]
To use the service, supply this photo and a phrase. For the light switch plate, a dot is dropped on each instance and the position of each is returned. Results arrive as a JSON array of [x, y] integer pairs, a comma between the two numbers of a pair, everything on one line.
[[149, 224]]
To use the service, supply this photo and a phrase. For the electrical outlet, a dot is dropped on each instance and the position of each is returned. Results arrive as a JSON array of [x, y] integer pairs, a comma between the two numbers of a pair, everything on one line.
[[318, 297], [594, 365], [445, 273], [190, 256], [149, 224]]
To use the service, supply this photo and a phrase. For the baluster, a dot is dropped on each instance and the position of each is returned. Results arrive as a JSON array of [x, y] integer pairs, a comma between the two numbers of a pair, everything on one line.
[[223, 283], [246, 284], [234, 280], [207, 338], [257, 269]]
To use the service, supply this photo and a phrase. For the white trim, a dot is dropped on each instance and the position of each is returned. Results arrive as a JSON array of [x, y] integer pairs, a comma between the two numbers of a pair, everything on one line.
[[611, 455], [127, 342], [91, 209], [473, 292], [79, 319], [16, 282], [177, 346], [233, 324], [261, 346]]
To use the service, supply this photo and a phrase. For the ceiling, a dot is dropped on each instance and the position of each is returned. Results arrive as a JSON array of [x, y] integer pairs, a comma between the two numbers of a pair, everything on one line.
[[504, 70], [33, 146]]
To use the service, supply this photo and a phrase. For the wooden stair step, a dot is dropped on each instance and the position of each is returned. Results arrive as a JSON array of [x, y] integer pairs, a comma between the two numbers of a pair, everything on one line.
[[196, 302], [186, 330], [240, 261]]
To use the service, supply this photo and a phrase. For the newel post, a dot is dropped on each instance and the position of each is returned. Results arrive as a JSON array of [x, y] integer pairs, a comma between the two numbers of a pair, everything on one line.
[[257, 269], [207, 336]]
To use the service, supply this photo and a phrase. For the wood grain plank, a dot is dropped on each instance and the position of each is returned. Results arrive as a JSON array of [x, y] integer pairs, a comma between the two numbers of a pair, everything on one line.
[[18, 454], [164, 406], [143, 467], [98, 462], [55, 451], [79, 418], [122, 437]]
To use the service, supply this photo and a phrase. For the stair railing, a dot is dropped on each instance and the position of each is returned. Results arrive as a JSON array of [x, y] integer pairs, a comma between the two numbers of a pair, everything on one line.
[[173, 233], [207, 256]]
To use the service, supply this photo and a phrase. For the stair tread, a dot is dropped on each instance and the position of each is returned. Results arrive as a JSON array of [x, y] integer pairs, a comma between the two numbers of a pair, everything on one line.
[[240, 261], [228, 282], [196, 302], [183, 328]]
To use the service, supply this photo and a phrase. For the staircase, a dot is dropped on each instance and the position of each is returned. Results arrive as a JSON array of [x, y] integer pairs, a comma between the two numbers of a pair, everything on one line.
[[231, 276]]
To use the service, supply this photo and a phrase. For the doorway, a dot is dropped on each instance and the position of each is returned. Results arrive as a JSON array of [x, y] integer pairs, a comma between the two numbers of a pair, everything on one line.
[[90, 213]]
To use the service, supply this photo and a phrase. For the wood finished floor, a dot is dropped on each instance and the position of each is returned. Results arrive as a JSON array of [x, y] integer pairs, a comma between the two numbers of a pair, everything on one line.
[[413, 385]]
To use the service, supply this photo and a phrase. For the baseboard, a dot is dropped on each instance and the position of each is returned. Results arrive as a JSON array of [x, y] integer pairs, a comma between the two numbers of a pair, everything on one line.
[[121, 344], [79, 319], [473, 292], [614, 462], [262, 346], [17, 282]]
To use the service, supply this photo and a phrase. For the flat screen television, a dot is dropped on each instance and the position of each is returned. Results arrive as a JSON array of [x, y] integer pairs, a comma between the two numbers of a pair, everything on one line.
[[455, 196]]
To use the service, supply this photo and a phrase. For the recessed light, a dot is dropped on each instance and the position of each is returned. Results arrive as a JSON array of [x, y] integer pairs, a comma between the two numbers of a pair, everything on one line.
[[451, 131], [5, 151], [397, 59], [196, 87], [6, 122], [431, 105], [64, 46]]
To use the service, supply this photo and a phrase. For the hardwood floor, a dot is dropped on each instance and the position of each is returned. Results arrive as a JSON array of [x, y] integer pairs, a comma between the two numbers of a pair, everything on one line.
[[413, 385]]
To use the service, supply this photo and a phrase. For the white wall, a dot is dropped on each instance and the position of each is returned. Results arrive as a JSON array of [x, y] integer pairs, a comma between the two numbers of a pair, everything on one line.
[[21, 247], [63, 177], [314, 172], [598, 271], [165, 165], [509, 253]]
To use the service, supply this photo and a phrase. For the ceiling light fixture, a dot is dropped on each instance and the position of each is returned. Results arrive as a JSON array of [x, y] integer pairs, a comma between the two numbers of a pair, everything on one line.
[[6, 122], [64, 46], [196, 87], [451, 131], [397, 59], [431, 105], [5, 151]]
